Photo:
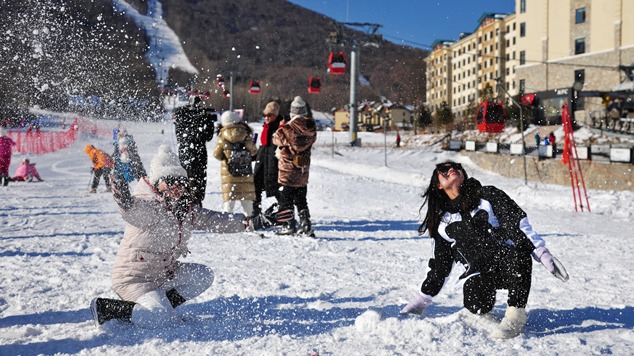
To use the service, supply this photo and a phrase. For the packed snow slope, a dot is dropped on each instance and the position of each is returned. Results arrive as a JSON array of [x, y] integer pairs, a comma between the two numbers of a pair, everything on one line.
[[338, 294]]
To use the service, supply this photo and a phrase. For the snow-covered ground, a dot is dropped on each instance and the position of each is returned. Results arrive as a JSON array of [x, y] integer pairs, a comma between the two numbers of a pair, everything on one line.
[[338, 294]]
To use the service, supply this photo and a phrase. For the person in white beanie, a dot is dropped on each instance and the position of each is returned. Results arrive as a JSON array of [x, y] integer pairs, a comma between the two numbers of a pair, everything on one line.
[[235, 151], [160, 217], [295, 140]]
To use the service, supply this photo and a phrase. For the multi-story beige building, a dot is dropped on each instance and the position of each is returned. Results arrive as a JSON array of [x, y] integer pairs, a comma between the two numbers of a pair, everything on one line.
[[439, 74], [544, 45], [458, 71], [563, 41]]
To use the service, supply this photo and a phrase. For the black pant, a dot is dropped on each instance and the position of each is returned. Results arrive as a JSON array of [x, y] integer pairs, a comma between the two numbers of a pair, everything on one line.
[[293, 196], [103, 171], [514, 274], [197, 183]]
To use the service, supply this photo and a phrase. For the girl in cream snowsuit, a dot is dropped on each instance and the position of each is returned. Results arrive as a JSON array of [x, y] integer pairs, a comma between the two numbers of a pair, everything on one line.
[[160, 218]]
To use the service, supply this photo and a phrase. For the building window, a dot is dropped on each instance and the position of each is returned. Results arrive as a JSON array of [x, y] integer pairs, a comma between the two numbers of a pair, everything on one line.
[[523, 29], [522, 85], [580, 45], [522, 6], [580, 76], [522, 57], [580, 15]]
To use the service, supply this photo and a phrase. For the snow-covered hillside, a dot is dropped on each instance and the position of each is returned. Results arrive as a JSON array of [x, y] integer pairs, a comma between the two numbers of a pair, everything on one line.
[[338, 294]]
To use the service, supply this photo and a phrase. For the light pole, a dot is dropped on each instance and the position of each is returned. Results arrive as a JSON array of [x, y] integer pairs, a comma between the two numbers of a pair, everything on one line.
[[501, 87], [385, 138], [353, 95]]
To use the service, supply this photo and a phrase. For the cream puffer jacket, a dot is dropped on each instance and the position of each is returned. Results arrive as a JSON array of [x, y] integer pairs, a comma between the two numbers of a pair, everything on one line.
[[154, 239]]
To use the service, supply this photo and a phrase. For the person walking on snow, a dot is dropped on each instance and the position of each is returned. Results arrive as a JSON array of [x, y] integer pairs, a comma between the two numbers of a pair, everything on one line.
[[294, 141], [101, 166], [235, 151], [194, 127], [26, 172], [160, 216], [483, 230], [265, 172], [6, 146]]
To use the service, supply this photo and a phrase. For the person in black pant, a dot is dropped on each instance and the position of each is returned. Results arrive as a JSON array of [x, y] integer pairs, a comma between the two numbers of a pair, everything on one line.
[[265, 171], [295, 140], [194, 126], [488, 234]]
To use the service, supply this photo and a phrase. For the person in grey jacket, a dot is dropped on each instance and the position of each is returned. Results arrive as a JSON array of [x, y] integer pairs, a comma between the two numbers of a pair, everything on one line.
[[160, 217]]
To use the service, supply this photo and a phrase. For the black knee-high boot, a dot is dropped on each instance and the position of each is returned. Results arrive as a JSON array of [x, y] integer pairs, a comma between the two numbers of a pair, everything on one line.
[[104, 309]]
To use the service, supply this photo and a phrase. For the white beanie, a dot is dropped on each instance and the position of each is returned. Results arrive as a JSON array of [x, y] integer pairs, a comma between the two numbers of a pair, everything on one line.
[[230, 118], [298, 107], [164, 164]]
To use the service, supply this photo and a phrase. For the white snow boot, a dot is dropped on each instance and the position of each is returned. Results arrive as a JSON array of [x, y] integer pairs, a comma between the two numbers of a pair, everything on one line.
[[512, 325]]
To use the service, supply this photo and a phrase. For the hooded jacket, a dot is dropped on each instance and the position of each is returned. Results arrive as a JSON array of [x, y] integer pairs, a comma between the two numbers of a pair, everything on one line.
[[481, 230], [99, 158], [234, 188], [155, 238], [295, 137]]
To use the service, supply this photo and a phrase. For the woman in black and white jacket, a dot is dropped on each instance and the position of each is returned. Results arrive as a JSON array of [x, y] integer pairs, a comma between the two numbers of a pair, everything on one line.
[[486, 233]]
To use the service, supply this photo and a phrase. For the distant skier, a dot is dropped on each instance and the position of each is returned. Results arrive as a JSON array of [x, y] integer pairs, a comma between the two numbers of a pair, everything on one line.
[[235, 150], [294, 141], [101, 165], [160, 217], [486, 232], [398, 139], [26, 172]]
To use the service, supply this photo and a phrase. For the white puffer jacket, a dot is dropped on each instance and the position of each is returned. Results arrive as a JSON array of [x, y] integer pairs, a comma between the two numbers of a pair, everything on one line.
[[154, 239]]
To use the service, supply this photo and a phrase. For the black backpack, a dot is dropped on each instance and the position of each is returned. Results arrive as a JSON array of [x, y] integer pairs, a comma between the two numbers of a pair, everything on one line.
[[239, 163]]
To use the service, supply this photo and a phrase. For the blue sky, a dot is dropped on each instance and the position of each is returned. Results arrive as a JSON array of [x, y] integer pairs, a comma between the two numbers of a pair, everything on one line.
[[406, 21]]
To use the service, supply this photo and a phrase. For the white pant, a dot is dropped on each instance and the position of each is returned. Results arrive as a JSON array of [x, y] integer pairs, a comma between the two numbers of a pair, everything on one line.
[[247, 206], [154, 310]]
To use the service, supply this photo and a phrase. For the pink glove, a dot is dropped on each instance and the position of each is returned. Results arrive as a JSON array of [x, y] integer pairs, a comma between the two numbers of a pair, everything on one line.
[[417, 305], [552, 264]]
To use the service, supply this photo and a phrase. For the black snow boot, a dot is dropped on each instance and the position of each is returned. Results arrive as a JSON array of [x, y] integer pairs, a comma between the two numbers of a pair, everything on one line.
[[107, 309], [175, 298], [288, 228], [305, 226]]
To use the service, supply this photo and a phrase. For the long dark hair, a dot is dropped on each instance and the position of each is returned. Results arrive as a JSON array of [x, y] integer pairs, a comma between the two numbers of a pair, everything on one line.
[[435, 199]]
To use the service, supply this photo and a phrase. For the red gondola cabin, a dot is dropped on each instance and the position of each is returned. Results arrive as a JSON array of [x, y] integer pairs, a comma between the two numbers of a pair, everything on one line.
[[220, 80], [254, 87], [337, 63], [314, 85], [491, 117]]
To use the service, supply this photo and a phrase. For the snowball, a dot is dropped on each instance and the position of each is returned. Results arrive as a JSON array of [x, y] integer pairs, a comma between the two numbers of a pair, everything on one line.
[[367, 321]]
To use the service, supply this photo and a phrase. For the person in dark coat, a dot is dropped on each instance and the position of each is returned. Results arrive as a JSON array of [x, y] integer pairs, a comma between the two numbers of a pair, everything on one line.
[[194, 126], [481, 229], [265, 170]]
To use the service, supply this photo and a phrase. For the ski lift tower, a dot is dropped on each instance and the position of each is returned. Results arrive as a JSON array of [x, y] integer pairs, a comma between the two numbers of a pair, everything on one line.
[[372, 39]]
